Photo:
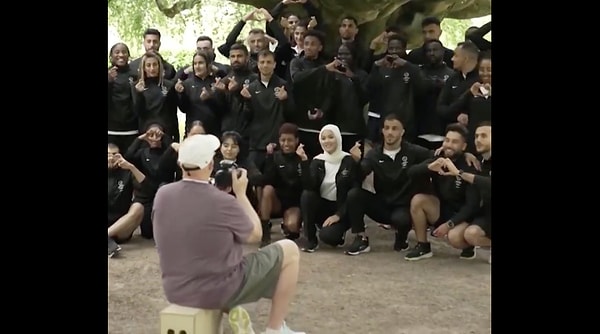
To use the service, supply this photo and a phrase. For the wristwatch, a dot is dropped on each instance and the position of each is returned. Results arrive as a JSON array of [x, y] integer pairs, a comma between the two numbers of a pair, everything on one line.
[[450, 224]]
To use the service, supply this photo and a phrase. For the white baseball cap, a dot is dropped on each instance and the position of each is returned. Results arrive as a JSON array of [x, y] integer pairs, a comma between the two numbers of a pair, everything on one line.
[[198, 150]]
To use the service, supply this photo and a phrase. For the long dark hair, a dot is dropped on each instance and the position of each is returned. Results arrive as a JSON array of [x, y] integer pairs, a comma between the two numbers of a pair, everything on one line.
[[239, 141]]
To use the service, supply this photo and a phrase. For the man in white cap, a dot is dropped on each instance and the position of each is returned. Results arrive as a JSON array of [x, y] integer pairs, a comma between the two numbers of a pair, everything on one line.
[[199, 232]]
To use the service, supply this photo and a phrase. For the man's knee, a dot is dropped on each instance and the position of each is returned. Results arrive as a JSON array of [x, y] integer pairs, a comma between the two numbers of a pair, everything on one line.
[[290, 250], [136, 211], [473, 233], [456, 237], [420, 201], [268, 191]]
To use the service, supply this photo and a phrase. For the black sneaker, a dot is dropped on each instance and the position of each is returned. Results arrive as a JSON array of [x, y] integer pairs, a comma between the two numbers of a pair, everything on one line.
[[310, 246], [421, 251], [266, 237], [292, 236], [360, 245], [468, 253], [284, 230], [113, 247], [400, 244], [342, 241]]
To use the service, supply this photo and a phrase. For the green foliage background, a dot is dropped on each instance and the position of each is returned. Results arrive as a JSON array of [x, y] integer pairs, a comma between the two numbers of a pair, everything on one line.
[[129, 18]]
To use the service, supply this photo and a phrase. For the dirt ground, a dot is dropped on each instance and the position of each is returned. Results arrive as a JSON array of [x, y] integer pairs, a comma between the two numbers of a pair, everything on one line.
[[374, 293]]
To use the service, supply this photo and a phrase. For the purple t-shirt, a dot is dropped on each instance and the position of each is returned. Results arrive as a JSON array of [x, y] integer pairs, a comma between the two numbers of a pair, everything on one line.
[[199, 232]]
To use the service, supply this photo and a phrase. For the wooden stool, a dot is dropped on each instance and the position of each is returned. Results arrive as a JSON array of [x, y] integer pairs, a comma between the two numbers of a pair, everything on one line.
[[175, 319]]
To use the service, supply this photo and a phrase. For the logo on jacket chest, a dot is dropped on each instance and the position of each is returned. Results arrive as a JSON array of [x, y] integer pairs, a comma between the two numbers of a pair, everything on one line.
[[404, 162], [120, 185], [406, 77]]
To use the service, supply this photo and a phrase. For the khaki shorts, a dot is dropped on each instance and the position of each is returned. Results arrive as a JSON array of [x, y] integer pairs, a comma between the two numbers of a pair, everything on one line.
[[260, 277]]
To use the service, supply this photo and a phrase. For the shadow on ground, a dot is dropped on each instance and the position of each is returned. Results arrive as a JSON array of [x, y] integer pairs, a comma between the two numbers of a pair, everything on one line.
[[375, 293]]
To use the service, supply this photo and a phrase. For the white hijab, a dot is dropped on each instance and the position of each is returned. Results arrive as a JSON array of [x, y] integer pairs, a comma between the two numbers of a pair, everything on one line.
[[337, 156]]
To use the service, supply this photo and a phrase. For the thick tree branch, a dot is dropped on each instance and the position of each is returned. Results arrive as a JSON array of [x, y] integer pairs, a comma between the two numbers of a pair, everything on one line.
[[372, 15]]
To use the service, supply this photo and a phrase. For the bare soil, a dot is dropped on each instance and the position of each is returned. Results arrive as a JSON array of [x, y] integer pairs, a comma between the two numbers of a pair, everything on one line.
[[374, 293]]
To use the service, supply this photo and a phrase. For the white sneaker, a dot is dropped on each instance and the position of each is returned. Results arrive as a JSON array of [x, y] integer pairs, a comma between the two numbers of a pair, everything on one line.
[[284, 330], [239, 320]]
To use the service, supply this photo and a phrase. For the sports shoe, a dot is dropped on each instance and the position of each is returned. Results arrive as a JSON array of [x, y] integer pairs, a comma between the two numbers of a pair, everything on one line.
[[239, 320], [266, 237], [310, 247], [360, 245], [113, 247], [421, 251], [468, 253], [400, 244], [284, 330]]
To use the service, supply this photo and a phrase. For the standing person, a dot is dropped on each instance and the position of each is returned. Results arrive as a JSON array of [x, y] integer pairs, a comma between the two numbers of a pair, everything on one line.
[[435, 73], [350, 97], [311, 86], [204, 44], [122, 120], [233, 118], [200, 245], [450, 104], [199, 100], [156, 98], [475, 35], [431, 29], [478, 103], [267, 106], [393, 85], [257, 40], [151, 42]]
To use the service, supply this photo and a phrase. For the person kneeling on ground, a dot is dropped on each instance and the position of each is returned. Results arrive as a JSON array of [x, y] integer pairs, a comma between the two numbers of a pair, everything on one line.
[[455, 202], [479, 232], [282, 184], [323, 203], [124, 215], [199, 244]]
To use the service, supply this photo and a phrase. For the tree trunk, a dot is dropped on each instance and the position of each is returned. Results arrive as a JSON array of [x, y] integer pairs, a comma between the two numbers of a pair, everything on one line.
[[372, 15]]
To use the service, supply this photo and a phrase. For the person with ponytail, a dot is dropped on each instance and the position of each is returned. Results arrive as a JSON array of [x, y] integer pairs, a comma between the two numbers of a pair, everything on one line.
[[323, 202], [156, 98]]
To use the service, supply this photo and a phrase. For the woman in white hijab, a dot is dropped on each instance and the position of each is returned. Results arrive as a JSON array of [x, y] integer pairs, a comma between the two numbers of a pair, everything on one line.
[[323, 203]]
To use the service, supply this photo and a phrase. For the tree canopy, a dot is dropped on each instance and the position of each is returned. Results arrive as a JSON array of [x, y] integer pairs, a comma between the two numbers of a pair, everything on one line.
[[373, 15], [197, 17]]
